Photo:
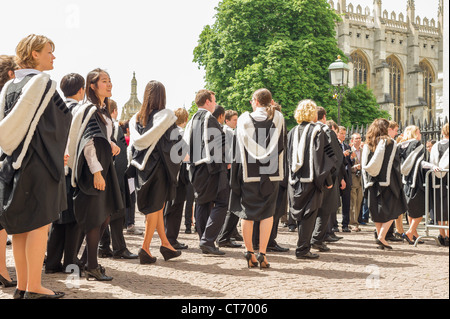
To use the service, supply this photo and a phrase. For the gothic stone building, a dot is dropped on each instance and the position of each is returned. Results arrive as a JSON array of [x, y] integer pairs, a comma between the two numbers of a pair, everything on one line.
[[399, 57]]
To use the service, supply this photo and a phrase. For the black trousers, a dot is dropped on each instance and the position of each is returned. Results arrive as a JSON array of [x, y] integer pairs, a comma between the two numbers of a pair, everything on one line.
[[64, 240], [306, 227], [229, 228], [188, 210], [114, 234], [346, 196], [321, 228], [173, 214], [209, 218]]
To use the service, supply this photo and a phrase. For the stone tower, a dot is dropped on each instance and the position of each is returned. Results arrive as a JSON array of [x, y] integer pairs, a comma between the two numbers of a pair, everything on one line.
[[133, 105]]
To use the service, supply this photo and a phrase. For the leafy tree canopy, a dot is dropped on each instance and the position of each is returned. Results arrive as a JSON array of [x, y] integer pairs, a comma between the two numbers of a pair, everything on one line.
[[285, 46]]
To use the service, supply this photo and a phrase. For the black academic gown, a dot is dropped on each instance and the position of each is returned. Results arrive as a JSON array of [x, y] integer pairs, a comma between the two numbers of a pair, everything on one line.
[[305, 188], [157, 182], [34, 195], [208, 178], [91, 206], [384, 189], [414, 177], [257, 200]]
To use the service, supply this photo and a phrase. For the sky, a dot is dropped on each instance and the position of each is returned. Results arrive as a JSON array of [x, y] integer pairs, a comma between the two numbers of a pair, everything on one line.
[[153, 38]]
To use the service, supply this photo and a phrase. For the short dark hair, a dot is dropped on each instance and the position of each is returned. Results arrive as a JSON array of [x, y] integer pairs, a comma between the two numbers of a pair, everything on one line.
[[219, 110], [321, 112], [71, 84]]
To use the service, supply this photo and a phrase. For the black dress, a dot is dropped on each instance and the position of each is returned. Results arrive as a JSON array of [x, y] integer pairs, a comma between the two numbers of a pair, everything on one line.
[[383, 181], [154, 170], [254, 192], [411, 154], [91, 206], [32, 182]]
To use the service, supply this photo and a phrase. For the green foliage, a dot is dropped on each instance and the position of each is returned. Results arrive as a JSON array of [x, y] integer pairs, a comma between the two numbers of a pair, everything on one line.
[[360, 107], [285, 46]]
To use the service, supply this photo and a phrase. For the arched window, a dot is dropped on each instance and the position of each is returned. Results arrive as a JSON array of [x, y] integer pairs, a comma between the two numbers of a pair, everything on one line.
[[428, 90], [361, 71], [395, 84]]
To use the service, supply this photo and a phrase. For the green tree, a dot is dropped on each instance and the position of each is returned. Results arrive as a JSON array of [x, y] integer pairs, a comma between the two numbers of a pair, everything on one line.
[[285, 46]]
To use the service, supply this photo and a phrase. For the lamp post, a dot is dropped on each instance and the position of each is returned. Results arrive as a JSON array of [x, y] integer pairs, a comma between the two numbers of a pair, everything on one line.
[[339, 80]]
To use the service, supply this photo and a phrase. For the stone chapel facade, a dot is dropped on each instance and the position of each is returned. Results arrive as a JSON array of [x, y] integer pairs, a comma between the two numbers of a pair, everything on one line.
[[399, 57]]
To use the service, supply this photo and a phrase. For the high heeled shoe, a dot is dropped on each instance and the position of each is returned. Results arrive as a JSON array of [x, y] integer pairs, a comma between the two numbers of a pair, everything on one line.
[[5, 282], [169, 253], [262, 262], [98, 274], [405, 237], [383, 246], [145, 258], [248, 256], [418, 241], [18, 294]]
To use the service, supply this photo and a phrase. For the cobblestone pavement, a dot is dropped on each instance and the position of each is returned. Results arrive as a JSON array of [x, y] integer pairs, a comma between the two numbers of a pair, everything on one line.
[[353, 269]]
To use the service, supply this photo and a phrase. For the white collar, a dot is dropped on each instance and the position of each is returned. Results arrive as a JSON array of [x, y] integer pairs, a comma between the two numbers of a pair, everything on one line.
[[22, 73]]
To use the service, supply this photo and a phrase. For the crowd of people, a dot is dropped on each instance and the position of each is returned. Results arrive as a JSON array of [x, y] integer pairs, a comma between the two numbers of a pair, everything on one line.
[[70, 174]]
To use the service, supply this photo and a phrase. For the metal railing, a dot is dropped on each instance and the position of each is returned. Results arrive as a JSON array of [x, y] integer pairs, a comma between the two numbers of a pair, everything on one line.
[[436, 200]]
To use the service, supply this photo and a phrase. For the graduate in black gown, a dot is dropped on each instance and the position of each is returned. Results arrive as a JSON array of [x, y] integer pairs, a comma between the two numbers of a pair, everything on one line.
[[154, 163], [91, 149], [380, 162], [311, 164], [207, 171], [34, 125], [412, 153], [439, 160], [7, 68], [256, 172]]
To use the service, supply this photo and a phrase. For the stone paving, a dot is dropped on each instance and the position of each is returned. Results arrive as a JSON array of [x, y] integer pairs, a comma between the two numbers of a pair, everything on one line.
[[353, 269]]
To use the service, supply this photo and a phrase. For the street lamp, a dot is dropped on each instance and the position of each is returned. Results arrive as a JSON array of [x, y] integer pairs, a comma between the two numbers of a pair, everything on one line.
[[339, 80]]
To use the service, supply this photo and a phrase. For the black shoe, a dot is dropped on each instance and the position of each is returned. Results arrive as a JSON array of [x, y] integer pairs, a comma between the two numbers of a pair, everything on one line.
[[229, 243], [336, 237], [277, 248], [145, 258], [98, 274], [330, 239], [383, 246], [292, 228], [126, 254], [262, 261], [392, 238], [248, 256], [105, 253], [54, 271], [34, 295], [18, 294], [441, 240], [335, 229], [308, 255], [7, 283], [321, 247], [405, 237], [420, 242], [346, 230], [179, 246], [188, 231], [208, 250], [169, 253]]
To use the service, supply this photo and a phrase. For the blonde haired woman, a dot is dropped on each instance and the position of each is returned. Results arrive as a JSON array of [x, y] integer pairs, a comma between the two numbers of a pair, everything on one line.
[[412, 153], [310, 163], [34, 125]]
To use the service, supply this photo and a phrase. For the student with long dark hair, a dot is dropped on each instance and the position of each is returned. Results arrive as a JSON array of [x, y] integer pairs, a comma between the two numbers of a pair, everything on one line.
[[153, 135], [34, 125], [91, 149], [380, 162]]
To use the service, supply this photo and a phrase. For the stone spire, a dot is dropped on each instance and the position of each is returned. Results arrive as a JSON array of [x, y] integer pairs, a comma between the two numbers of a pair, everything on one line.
[[133, 105]]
